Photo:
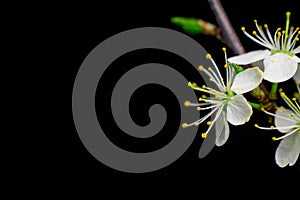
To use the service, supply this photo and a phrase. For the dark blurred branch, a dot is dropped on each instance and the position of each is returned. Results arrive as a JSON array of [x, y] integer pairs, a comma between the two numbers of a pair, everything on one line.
[[227, 30]]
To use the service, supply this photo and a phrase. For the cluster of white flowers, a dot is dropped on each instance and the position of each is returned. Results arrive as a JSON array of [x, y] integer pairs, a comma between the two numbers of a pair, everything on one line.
[[278, 63]]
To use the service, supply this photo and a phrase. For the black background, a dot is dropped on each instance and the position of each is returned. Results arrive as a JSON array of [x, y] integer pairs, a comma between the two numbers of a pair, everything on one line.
[[62, 35]]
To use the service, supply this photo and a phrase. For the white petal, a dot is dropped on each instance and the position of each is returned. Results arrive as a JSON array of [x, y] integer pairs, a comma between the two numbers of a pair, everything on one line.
[[281, 122], [249, 57], [279, 67], [296, 58], [259, 64], [296, 77], [247, 80], [222, 130], [238, 110], [288, 150]]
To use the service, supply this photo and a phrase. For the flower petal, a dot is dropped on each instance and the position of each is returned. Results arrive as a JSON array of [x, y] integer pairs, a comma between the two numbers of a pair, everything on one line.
[[249, 57], [222, 130], [288, 150], [296, 58], [279, 67], [247, 80], [238, 110], [296, 77], [283, 118]]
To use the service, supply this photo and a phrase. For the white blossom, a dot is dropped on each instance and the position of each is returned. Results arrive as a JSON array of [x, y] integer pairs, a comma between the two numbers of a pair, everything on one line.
[[287, 121], [279, 59], [226, 101]]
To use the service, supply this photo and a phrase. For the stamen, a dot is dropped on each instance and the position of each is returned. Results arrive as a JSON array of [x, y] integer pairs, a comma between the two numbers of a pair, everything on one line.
[[276, 128], [286, 135], [184, 125], [187, 103], [294, 107], [278, 116]]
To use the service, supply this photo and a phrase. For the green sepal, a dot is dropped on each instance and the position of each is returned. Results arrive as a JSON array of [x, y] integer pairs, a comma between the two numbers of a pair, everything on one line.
[[237, 68], [189, 25]]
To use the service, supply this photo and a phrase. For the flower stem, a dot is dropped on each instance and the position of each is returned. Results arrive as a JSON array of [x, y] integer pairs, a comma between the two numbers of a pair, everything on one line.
[[273, 90], [255, 105]]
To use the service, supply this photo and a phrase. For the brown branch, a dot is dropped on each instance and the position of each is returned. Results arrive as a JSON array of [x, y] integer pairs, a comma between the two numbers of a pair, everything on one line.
[[228, 32]]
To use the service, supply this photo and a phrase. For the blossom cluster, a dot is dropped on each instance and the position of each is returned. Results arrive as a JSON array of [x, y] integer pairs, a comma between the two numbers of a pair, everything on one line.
[[276, 63]]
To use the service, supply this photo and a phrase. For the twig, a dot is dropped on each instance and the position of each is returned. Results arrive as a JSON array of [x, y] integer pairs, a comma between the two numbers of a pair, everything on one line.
[[228, 32]]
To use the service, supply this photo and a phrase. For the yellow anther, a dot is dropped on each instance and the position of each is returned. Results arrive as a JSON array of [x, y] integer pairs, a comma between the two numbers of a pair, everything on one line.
[[272, 127], [259, 27], [184, 125], [297, 39], [189, 84], [209, 68], [187, 103], [243, 28], [196, 124], [204, 135], [288, 14], [217, 96], [274, 138], [277, 108], [279, 28], [272, 61], [256, 125], [294, 99], [292, 114], [226, 65], [262, 109], [254, 32], [279, 34], [198, 108], [224, 49], [203, 86], [270, 120], [208, 56], [296, 95], [255, 21], [200, 99], [194, 84], [211, 79], [280, 90], [208, 123], [292, 28], [266, 25], [203, 96], [282, 93], [200, 68], [284, 110]]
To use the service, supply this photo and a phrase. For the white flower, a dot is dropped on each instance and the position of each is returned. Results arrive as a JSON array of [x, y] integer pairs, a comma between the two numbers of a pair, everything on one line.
[[226, 101], [280, 60], [288, 122], [296, 78]]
